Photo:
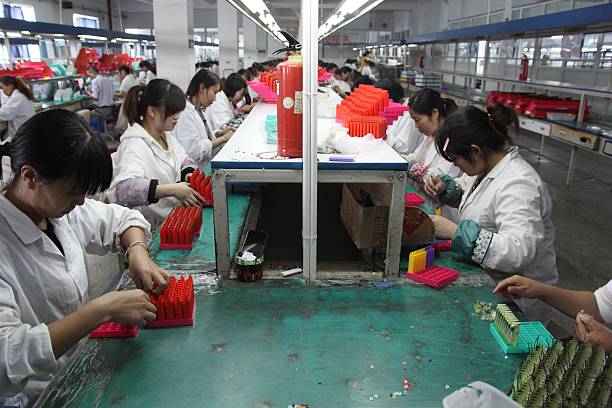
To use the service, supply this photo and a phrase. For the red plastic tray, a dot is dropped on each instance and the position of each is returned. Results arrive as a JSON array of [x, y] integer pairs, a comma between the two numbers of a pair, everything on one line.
[[113, 330], [442, 246], [414, 200], [175, 305], [435, 276]]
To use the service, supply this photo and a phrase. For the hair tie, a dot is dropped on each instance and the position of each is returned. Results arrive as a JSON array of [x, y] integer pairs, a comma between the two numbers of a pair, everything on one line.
[[490, 118]]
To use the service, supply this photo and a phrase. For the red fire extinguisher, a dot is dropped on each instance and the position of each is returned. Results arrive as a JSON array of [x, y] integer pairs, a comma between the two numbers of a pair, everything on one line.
[[289, 100], [422, 61], [524, 71]]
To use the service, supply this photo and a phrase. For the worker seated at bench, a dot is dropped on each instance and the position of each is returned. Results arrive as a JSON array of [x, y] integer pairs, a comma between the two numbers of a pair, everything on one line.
[[591, 310], [226, 107]]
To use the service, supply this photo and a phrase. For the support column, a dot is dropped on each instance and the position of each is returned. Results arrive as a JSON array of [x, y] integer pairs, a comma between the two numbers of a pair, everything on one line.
[[249, 30], [262, 45], [173, 23], [227, 21]]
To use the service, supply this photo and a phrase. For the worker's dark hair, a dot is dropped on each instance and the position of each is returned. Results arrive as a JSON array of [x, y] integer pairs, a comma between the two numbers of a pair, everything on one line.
[[253, 72], [244, 73], [233, 84], [361, 80], [426, 100], [472, 126], [366, 53], [159, 93], [125, 69], [19, 84], [58, 144], [396, 92], [344, 70], [93, 68], [372, 64], [147, 65], [331, 66], [203, 76]]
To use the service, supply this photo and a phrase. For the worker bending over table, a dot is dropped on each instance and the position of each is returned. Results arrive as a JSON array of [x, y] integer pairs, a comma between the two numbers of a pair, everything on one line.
[[47, 226], [18, 106]]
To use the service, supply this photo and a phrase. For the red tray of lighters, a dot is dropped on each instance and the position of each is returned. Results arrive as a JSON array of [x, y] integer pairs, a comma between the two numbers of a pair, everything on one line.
[[113, 330], [203, 185], [434, 276], [414, 200], [181, 228], [175, 305]]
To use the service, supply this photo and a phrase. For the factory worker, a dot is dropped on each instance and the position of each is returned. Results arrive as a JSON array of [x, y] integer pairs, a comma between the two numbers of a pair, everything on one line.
[[428, 110], [47, 226], [592, 311], [17, 108], [151, 168], [192, 129], [505, 210], [338, 81], [147, 72], [224, 108], [403, 135]]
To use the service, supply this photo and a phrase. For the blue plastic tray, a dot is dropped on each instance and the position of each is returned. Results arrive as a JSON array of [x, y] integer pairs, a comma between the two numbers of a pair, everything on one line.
[[531, 334]]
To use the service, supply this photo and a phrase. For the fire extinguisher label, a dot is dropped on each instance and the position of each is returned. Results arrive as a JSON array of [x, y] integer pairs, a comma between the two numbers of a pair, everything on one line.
[[287, 102], [298, 103]]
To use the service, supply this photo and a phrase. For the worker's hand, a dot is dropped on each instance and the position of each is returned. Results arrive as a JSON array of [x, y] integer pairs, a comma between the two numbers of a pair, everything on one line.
[[445, 228], [246, 108], [187, 195], [590, 331], [433, 186], [127, 306], [145, 273], [516, 287], [228, 135]]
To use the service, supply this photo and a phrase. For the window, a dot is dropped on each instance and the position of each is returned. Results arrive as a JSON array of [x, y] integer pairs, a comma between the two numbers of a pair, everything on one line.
[[525, 46], [80, 20], [550, 53], [18, 11], [140, 31], [606, 52], [571, 49]]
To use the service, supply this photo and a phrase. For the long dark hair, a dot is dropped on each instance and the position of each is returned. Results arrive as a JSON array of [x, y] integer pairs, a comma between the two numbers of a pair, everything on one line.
[[426, 100], [472, 126], [19, 84], [233, 84], [203, 76], [58, 144], [159, 93]]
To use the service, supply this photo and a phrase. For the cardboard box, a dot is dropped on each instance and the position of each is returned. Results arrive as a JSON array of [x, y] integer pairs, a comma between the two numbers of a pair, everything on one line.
[[367, 226]]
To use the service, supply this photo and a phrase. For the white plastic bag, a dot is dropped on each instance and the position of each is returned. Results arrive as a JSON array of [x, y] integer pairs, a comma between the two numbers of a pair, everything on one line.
[[479, 395]]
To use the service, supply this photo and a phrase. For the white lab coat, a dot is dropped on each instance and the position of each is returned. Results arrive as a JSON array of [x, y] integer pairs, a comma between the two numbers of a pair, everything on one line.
[[39, 285], [427, 155], [220, 112], [146, 77], [512, 203], [403, 135], [16, 110], [139, 156], [343, 85], [190, 132]]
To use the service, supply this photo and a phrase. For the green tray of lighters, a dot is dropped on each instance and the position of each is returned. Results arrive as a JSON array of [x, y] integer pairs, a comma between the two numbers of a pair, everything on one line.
[[531, 335]]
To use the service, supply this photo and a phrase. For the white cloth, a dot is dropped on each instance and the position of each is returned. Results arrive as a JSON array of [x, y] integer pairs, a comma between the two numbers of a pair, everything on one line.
[[146, 77], [403, 135], [102, 89], [427, 155], [254, 95], [220, 113], [513, 209], [343, 85], [16, 110], [139, 156], [39, 285], [603, 296], [128, 83], [190, 132]]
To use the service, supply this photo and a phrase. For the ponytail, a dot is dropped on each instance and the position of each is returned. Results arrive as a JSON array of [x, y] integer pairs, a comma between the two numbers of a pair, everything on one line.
[[469, 126], [449, 106], [159, 93], [18, 84], [5, 149]]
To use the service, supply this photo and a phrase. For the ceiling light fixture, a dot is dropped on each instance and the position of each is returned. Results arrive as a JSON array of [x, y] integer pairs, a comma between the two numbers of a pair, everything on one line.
[[345, 13]]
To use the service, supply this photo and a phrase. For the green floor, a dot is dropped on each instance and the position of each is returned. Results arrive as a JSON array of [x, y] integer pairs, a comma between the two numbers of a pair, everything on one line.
[[275, 343]]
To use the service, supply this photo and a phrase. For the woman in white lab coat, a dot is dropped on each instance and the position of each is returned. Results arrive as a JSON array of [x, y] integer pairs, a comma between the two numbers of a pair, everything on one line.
[[192, 130], [18, 106], [224, 109], [47, 225], [151, 169], [428, 110], [505, 222], [147, 72]]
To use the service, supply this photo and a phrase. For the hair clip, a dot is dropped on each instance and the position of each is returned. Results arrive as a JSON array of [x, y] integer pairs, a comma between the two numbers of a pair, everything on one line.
[[490, 117], [446, 144]]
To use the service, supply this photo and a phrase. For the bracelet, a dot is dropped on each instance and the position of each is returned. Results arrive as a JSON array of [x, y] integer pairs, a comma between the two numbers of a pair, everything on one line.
[[132, 245]]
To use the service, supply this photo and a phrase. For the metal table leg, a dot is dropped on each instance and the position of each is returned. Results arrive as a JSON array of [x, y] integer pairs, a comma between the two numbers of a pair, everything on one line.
[[396, 223], [570, 168], [221, 223], [541, 151]]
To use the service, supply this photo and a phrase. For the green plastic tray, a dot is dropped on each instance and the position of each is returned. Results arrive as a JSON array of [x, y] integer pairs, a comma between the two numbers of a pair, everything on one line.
[[531, 334]]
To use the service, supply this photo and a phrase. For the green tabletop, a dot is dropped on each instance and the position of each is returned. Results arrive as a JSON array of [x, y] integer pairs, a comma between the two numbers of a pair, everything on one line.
[[278, 342]]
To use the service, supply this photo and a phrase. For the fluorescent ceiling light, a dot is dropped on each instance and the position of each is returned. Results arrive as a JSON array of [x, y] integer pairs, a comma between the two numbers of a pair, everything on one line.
[[13, 34], [26, 32], [345, 13], [92, 37], [412, 45], [258, 12], [556, 37]]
